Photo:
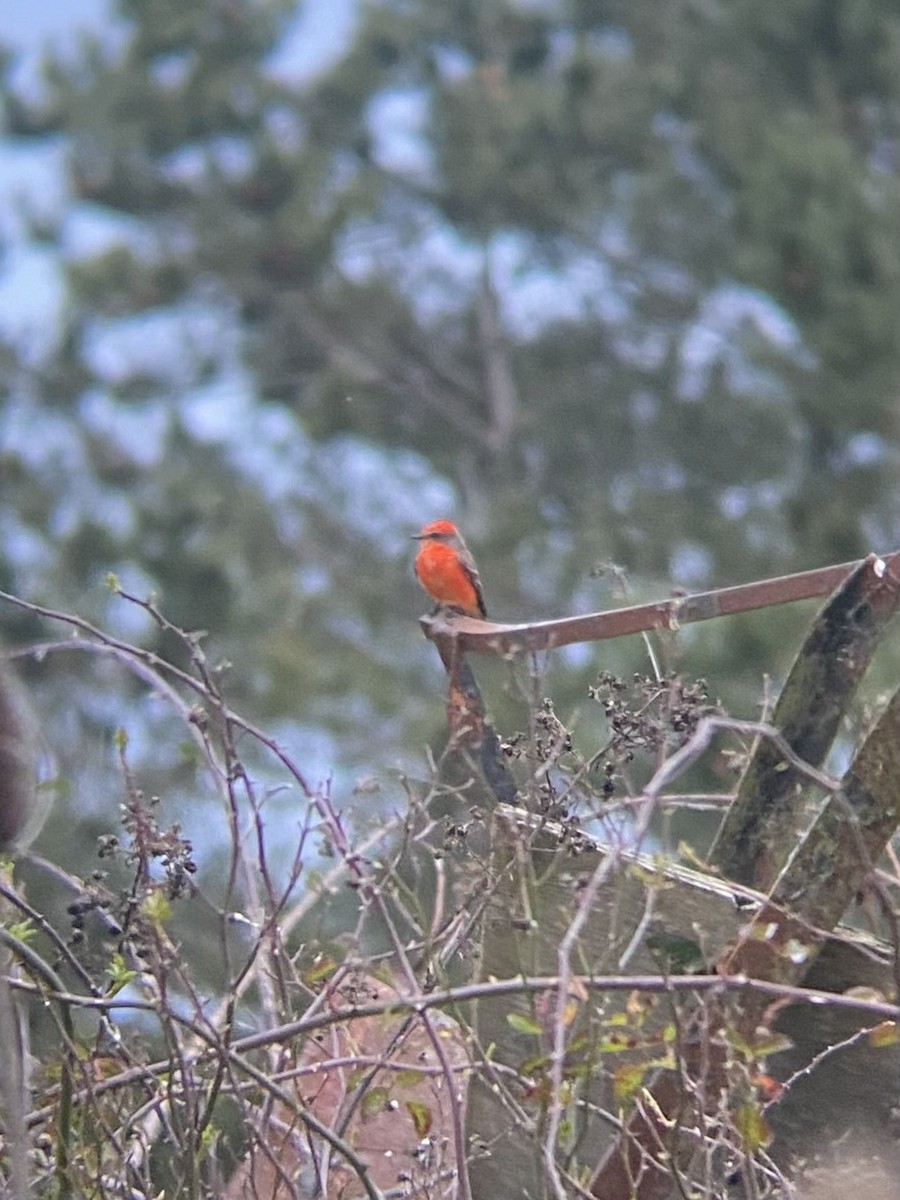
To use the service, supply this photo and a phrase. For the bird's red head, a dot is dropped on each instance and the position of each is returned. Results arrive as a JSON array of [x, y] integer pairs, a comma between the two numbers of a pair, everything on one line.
[[437, 529]]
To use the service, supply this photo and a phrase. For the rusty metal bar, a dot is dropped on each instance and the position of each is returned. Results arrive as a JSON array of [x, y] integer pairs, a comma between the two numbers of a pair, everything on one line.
[[486, 637]]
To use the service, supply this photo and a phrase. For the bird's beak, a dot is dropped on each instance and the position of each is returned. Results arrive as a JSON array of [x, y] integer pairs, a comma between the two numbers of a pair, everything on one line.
[[417, 537]]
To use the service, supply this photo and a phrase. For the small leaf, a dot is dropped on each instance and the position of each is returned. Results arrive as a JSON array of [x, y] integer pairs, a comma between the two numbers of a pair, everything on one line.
[[885, 1034], [739, 1044], [421, 1117], [627, 1082], [522, 1024], [119, 975], [569, 1013], [156, 907], [537, 1064], [651, 877], [23, 931], [769, 1041], [59, 785], [861, 992], [375, 1101], [407, 1079], [208, 1138], [322, 968], [753, 1128]]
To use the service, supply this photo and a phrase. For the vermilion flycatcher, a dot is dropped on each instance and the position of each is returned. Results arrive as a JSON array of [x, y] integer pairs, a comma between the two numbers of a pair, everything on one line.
[[446, 570]]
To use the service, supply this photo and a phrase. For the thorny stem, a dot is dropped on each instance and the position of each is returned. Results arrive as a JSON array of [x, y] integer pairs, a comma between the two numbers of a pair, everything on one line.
[[668, 771], [375, 897], [567, 946], [53, 984]]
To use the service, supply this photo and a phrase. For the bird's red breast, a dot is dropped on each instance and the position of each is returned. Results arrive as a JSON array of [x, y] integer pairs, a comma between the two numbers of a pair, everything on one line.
[[446, 570]]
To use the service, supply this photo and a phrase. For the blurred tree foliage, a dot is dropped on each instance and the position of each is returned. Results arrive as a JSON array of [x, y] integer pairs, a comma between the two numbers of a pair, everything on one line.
[[610, 281]]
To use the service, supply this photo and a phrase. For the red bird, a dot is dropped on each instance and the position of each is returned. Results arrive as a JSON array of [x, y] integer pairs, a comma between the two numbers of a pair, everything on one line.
[[446, 570]]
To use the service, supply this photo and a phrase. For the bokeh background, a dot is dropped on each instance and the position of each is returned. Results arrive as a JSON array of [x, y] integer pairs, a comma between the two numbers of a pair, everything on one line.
[[606, 281]]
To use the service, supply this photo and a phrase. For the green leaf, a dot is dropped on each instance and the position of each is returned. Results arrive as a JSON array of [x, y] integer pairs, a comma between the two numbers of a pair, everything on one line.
[[119, 975], [537, 1064], [407, 1079], [753, 1128], [421, 1117], [323, 968], [522, 1024], [156, 907], [23, 931], [375, 1101], [885, 1034], [627, 1082]]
